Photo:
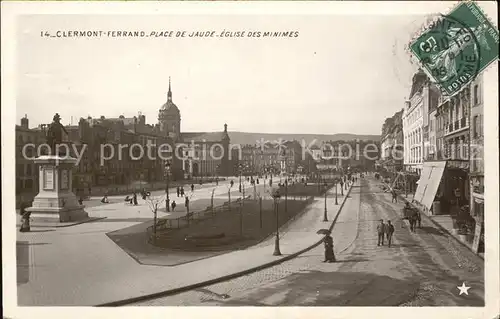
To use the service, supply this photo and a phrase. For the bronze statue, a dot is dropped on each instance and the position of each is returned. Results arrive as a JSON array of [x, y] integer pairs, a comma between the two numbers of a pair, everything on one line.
[[54, 133]]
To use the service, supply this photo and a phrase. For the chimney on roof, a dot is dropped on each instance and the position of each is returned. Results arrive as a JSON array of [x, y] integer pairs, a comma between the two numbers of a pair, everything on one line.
[[102, 117], [142, 120], [25, 122], [135, 124]]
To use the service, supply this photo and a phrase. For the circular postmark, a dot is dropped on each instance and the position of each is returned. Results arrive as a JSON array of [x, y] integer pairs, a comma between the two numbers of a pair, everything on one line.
[[450, 52]]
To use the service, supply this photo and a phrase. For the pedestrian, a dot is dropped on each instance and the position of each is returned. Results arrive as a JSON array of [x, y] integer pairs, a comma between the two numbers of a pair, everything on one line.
[[419, 219], [134, 199], [381, 233], [394, 196], [182, 191], [178, 191], [80, 200], [413, 221], [25, 217], [389, 228], [186, 202], [232, 183], [192, 187], [329, 254], [173, 205]]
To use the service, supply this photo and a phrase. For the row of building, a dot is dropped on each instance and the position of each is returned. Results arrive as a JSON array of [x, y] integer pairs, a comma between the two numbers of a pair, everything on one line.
[[126, 150], [191, 153], [433, 148]]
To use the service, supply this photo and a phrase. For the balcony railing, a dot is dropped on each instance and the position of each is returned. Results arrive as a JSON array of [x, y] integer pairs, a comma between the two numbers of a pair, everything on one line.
[[457, 125]]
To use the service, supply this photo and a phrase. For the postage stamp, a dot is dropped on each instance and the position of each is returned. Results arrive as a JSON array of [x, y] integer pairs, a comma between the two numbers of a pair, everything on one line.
[[457, 47]]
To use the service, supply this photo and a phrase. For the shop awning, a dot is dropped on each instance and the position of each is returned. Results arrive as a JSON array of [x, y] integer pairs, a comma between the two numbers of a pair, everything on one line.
[[433, 183], [428, 185], [422, 183]]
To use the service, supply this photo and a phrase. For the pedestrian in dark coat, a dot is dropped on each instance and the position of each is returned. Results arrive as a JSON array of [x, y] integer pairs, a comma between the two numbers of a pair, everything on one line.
[[178, 191], [419, 219], [173, 205], [394, 196], [381, 232], [25, 217], [329, 254], [389, 231], [134, 199], [413, 221], [182, 191], [192, 187]]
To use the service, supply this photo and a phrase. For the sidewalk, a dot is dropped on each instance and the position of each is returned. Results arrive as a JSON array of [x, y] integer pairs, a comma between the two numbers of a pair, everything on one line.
[[443, 222], [80, 266]]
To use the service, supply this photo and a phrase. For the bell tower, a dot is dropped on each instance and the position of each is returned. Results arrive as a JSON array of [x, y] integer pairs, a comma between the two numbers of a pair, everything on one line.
[[169, 116]]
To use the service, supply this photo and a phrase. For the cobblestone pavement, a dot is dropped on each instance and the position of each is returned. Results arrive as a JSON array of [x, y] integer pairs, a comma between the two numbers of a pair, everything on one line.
[[420, 269]]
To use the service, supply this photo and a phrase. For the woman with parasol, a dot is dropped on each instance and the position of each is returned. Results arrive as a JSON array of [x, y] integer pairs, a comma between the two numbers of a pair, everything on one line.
[[328, 242]]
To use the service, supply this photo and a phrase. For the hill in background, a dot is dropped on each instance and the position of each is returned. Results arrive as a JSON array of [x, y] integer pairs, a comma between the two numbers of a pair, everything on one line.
[[252, 138]]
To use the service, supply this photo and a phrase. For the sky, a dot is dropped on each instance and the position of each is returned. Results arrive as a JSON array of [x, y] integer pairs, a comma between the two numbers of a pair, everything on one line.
[[342, 74]]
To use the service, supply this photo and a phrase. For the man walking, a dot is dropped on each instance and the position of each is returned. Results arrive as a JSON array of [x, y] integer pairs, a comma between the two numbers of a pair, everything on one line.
[[394, 196], [178, 191], [381, 232], [389, 228]]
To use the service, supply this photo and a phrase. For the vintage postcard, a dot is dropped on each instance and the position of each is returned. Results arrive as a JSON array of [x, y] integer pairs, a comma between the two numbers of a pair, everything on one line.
[[335, 159]]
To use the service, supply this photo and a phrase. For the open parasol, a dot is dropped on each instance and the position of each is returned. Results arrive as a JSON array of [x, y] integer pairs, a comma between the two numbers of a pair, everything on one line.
[[323, 231]]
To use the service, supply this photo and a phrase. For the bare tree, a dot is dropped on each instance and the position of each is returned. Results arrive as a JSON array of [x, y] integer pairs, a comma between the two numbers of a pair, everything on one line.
[[154, 202]]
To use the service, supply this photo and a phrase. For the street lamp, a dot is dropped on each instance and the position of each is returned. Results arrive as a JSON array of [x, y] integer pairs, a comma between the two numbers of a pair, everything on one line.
[[325, 218], [336, 202], [276, 196], [286, 195], [240, 166], [167, 180], [217, 169]]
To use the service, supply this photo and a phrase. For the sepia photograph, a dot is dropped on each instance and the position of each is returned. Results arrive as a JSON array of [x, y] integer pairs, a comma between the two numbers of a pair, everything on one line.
[[326, 155]]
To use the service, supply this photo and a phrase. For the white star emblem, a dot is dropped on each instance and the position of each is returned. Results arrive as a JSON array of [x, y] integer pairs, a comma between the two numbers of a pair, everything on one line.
[[463, 289]]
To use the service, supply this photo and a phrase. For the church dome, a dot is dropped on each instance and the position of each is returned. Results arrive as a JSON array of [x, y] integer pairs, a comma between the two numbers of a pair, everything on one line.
[[170, 108]]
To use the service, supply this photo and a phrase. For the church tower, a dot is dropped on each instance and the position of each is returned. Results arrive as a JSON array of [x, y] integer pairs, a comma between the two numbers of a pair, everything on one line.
[[169, 117]]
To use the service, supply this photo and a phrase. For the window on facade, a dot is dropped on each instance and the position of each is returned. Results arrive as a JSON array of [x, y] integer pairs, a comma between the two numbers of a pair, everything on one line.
[[476, 94], [475, 126]]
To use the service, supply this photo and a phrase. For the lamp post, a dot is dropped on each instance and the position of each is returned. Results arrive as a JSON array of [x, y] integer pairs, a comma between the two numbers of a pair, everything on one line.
[[286, 195], [325, 218], [276, 196], [336, 202], [217, 169], [239, 171], [167, 180]]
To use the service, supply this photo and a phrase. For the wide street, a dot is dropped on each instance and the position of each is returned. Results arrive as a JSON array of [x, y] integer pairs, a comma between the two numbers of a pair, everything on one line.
[[420, 269]]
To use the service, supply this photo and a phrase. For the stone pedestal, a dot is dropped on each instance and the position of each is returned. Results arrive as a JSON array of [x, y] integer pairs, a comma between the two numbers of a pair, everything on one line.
[[56, 202]]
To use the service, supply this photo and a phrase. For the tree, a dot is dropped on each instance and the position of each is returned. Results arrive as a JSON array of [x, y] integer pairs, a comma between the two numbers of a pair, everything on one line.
[[154, 202]]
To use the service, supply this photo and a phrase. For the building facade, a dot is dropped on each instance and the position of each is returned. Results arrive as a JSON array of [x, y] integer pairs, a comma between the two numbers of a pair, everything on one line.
[[413, 123], [476, 174], [124, 151]]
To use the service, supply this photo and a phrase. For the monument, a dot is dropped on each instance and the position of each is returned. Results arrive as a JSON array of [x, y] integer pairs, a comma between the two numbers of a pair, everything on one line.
[[55, 201]]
